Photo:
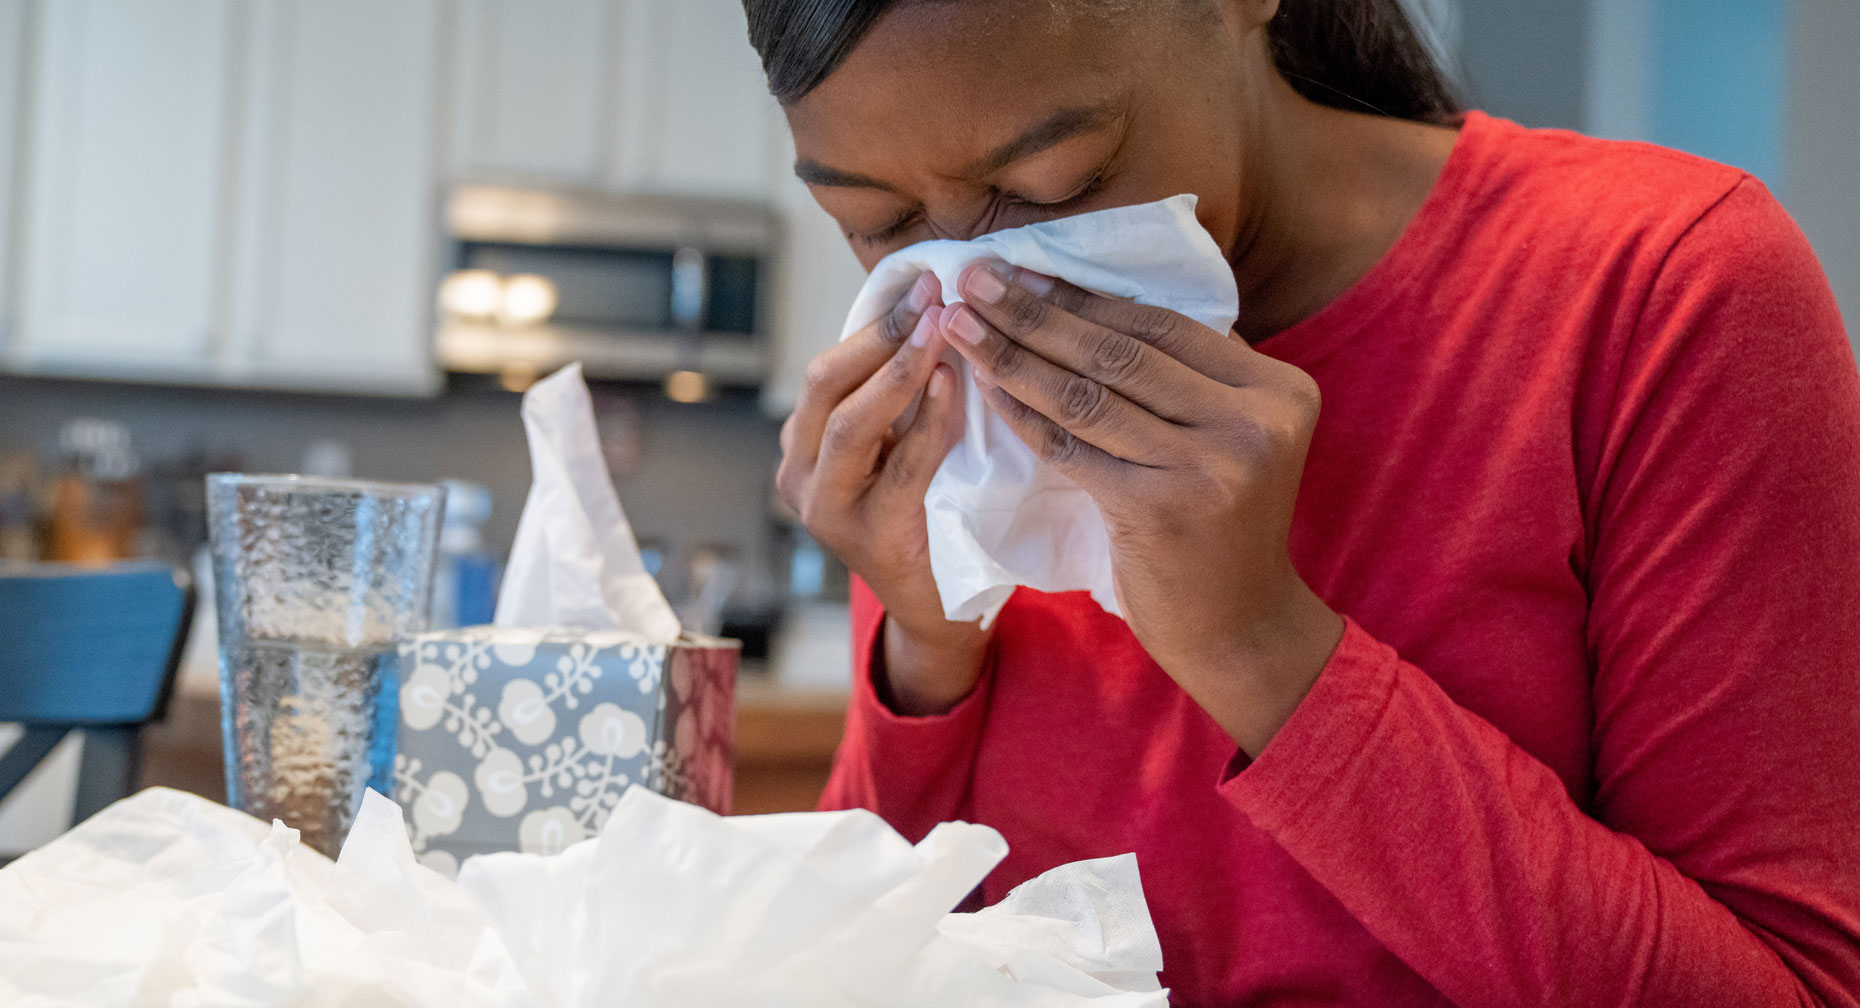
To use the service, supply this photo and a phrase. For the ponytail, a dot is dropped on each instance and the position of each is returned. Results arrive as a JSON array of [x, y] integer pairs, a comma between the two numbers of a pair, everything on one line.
[[1361, 56]]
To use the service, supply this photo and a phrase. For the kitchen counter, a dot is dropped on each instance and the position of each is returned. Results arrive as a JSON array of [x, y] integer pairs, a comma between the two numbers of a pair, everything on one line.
[[785, 738]]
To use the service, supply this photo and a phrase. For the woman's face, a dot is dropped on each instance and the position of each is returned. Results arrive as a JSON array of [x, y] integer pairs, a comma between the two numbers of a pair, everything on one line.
[[954, 119]]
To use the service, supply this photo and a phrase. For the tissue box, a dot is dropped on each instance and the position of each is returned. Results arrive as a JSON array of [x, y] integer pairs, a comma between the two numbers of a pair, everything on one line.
[[521, 739]]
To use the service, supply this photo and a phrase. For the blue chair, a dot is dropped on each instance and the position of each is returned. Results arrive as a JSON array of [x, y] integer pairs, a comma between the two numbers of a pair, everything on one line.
[[94, 651]]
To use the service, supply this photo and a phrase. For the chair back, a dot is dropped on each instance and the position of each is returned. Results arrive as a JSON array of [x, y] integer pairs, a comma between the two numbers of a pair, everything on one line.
[[91, 647]]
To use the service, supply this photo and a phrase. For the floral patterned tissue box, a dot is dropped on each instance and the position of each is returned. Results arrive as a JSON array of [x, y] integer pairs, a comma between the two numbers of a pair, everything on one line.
[[520, 739]]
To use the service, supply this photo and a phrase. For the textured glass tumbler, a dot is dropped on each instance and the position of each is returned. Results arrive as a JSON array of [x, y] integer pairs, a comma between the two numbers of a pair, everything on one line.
[[316, 580]]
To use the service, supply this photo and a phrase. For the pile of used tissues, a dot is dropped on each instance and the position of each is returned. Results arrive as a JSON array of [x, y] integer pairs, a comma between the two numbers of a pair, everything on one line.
[[166, 898]]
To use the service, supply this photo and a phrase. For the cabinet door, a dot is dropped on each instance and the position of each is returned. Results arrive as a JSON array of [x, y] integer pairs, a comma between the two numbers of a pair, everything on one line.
[[695, 114], [336, 238], [12, 77], [532, 88], [124, 182]]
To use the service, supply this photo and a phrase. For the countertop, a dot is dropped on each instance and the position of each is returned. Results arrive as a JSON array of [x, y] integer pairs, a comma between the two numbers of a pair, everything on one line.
[[785, 738]]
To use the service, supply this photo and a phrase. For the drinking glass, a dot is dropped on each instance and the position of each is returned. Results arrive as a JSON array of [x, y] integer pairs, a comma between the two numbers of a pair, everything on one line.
[[316, 579]]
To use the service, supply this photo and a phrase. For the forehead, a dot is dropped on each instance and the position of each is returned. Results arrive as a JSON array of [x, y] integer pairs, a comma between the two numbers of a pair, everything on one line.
[[935, 84]]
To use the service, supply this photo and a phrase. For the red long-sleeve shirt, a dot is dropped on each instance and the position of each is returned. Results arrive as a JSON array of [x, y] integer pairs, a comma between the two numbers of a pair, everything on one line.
[[1586, 486]]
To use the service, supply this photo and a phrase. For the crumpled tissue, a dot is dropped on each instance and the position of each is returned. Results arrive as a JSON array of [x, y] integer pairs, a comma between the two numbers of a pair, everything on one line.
[[574, 562], [166, 898], [997, 516]]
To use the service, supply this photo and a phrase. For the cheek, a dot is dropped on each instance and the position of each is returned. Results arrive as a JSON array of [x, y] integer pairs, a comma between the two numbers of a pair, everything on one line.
[[1220, 215], [868, 257], [1201, 147], [1214, 182]]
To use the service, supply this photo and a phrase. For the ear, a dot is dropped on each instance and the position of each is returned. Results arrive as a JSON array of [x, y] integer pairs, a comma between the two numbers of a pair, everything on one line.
[[1254, 13], [1243, 18], [1240, 24]]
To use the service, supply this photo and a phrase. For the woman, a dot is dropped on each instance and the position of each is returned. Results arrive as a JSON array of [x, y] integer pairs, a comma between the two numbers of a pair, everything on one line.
[[1521, 673]]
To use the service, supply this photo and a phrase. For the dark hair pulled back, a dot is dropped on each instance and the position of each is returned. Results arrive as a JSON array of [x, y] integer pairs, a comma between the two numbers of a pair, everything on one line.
[[1360, 55]]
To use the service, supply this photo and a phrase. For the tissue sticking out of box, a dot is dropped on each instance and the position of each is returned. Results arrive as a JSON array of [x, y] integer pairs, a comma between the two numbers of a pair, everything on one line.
[[575, 562]]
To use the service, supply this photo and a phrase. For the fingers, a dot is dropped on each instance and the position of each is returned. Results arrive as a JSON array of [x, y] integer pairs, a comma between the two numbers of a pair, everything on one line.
[[857, 432], [1081, 405], [1134, 369], [835, 374], [932, 433], [1222, 357], [1091, 467]]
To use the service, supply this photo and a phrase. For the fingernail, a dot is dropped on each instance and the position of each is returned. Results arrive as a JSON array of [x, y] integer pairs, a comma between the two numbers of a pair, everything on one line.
[[984, 284], [939, 382], [920, 336], [1033, 283], [965, 324], [982, 382], [923, 292]]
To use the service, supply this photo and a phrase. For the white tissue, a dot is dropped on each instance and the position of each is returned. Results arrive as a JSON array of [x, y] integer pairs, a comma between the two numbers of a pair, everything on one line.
[[997, 516], [166, 898], [575, 563]]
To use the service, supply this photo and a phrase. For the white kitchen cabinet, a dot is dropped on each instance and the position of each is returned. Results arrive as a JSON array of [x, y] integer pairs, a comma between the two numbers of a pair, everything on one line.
[[630, 95], [247, 193], [12, 79], [331, 278], [220, 192], [125, 183], [534, 82], [694, 114]]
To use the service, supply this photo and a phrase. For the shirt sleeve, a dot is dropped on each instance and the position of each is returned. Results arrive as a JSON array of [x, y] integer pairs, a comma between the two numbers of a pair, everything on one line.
[[912, 771], [1718, 860]]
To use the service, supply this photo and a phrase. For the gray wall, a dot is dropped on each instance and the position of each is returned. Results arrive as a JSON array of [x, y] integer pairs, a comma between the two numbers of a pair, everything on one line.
[[1771, 86], [1525, 59], [1822, 140]]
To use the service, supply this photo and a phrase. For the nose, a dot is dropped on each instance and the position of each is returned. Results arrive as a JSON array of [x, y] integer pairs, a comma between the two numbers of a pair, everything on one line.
[[967, 218]]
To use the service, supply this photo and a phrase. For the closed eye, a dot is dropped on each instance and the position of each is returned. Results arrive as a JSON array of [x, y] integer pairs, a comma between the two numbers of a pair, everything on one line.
[[905, 222], [911, 218], [1092, 187]]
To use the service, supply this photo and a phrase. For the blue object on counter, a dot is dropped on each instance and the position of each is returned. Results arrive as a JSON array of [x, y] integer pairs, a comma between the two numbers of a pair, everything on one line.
[[477, 576], [465, 579]]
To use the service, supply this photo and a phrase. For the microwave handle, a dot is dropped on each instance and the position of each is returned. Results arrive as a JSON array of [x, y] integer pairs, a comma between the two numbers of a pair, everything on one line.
[[690, 289]]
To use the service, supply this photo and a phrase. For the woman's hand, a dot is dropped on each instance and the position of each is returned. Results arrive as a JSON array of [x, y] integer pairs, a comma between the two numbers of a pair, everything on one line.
[[1192, 444], [875, 419]]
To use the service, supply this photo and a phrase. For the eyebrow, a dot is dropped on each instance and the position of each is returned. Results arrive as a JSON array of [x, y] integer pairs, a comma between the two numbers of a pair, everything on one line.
[[1047, 133], [815, 173]]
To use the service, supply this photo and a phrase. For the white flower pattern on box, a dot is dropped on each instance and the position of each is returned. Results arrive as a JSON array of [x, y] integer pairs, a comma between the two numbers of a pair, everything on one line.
[[519, 739]]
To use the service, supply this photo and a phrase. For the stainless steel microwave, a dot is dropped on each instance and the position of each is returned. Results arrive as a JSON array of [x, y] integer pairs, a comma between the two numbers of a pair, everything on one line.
[[636, 287]]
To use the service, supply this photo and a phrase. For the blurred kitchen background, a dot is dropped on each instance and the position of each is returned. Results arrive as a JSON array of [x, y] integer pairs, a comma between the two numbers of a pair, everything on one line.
[[341, 236]]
